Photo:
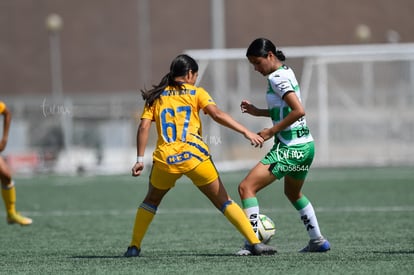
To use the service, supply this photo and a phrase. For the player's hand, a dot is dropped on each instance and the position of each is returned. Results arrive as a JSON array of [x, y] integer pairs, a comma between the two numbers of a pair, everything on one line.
[[266, 134], [255, 139], [247, 107], [137, 169]]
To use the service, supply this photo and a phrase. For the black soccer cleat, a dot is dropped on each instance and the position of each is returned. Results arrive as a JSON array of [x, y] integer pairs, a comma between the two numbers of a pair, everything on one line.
[[262, 249], [132, 251]]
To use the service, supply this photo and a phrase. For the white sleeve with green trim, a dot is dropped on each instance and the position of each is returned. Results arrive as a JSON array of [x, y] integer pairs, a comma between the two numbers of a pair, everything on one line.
[[280, 82]]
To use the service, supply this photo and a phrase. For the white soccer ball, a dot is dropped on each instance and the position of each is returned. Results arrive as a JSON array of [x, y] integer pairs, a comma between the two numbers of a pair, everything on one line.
[[266, 228]]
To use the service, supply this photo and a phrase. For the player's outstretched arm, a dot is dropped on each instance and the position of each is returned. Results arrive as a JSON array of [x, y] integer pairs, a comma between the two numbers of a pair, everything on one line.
[[226, 120]]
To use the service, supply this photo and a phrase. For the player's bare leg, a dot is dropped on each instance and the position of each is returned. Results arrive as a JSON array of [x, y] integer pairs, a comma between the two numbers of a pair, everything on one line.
[[143, 218], [218, 195], [258, 178]]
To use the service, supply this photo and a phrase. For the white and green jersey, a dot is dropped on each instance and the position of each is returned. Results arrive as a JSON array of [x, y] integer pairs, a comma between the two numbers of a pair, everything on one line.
[[280, 82]]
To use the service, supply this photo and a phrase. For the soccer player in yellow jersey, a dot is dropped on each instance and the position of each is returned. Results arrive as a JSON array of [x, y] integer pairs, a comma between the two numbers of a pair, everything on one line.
[[174, 105], [8, 191]]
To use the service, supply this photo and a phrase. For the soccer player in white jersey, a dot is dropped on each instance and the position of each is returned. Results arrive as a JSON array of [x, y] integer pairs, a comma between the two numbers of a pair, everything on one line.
[[293, 150]]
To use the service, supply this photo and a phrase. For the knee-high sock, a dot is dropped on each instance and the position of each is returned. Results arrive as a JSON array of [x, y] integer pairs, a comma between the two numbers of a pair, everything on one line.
[[143, 218], [251, 209], [307, 215], [236, 216], [9, 197]]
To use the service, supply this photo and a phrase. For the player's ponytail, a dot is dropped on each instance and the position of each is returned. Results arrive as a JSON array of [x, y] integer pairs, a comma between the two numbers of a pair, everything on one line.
[[180, 66], [151, 95], [280, 55]]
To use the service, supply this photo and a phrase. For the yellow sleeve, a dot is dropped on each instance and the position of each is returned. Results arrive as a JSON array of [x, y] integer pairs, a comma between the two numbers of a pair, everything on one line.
[[204, 98], [2, 107], [148, 112]]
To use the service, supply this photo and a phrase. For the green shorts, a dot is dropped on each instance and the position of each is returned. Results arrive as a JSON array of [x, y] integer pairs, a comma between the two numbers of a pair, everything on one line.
[[293, 160]]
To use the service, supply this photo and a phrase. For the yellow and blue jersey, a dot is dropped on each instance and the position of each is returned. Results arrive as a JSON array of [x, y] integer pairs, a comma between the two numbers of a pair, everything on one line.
[[180, 146], [2, 107]]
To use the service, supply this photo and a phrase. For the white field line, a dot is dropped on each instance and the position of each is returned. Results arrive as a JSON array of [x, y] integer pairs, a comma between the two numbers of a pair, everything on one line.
[[109, 212]]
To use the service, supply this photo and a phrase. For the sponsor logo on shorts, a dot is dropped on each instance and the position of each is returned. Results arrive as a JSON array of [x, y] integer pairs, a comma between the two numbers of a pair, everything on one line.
[[179, 157]]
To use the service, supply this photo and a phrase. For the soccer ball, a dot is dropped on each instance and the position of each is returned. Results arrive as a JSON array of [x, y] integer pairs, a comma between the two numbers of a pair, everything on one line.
[[266, 228]]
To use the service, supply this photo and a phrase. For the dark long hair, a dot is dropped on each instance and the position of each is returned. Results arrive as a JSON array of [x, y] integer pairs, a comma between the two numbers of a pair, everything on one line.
[[180, 66], [261, 47]]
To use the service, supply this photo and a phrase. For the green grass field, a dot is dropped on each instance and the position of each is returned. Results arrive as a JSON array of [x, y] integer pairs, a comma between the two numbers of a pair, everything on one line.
[[82, 225]]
